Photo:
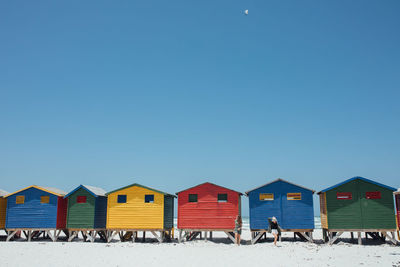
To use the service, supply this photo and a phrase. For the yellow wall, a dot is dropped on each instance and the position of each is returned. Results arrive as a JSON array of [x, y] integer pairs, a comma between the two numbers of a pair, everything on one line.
[[3, 206], [323, 210], [135, 213]]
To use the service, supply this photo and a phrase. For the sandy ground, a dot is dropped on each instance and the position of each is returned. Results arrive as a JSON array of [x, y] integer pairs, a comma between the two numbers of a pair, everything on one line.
[[218, 252]]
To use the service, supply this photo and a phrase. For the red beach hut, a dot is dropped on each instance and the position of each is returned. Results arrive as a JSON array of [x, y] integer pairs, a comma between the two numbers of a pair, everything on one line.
[[207, 207]]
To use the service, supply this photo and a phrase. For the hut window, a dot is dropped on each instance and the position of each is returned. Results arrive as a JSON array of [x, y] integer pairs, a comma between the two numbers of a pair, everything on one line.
[[266, 196], [293, 196], [149, 198], [44, 199], [344, 195], [222, 197], [81, 199], [20, 200], [192, 197], [121, 199], [373, 195]]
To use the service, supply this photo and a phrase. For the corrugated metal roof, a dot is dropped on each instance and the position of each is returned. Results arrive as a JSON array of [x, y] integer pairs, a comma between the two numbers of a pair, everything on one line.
[[355, 178], [135, 184], [211, 184], [51, 190], [54, 190], [277, 180], [95, 191], [3, 193]]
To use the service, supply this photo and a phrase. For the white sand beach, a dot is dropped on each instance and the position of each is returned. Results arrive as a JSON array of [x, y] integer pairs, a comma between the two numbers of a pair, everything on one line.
[[218, 252]]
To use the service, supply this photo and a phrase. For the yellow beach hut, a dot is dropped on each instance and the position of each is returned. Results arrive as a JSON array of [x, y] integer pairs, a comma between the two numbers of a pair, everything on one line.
[[3, 207], [135, 208]]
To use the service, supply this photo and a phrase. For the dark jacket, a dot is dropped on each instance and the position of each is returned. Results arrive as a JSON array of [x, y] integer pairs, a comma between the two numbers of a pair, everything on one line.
[[271, 226]]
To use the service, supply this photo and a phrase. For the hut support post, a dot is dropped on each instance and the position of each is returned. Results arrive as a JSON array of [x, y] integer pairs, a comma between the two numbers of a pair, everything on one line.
[[29, 235], [211, 235], [334, 238], [144, 236], [307, 237], [393, 238], [180, 236], [159, 238], [205, 235], [10, 235], [110, 236], [256, 237], [72, 235], [230, 236], [352, 236], [359, 238], [398, 235]]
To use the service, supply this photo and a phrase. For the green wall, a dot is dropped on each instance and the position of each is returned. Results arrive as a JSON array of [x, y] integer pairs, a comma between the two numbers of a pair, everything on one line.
[[360, 212], [81, 215]]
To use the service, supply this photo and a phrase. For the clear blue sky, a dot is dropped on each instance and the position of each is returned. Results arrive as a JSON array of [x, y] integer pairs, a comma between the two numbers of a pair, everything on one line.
[[174, 93]]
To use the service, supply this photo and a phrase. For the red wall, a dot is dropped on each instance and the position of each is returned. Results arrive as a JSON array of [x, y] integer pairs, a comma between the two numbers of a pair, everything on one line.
[[62, 213], [207, 213]]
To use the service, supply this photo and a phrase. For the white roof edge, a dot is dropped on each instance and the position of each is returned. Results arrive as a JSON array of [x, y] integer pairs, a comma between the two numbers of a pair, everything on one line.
[[96, 190], [52, 189]]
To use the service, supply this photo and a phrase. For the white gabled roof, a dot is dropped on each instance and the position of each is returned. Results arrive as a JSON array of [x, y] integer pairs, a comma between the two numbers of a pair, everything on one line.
[[3, 193], [55, 190], [96, 190]]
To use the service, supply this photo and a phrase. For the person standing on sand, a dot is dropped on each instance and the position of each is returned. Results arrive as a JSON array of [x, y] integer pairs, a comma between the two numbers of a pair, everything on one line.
[[238, 229], [275, 230]]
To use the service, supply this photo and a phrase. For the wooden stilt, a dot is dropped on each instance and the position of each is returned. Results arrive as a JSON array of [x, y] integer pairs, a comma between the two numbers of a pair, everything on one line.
[[230, 236], [256, 237], [359, 238], [334, 238], [10, 235], [159, 238]]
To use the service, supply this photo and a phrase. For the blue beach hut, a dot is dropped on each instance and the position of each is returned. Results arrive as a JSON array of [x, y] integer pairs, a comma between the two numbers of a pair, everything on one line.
[[291, 204], [36, 210]]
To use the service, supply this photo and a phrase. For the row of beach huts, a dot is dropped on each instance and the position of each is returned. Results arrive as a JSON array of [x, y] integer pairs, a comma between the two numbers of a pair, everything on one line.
[[357, 205]]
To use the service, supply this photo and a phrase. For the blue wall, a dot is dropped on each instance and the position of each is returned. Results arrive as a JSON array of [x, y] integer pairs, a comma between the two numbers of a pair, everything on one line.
[[291, 214], [32, 214], [100, 216]]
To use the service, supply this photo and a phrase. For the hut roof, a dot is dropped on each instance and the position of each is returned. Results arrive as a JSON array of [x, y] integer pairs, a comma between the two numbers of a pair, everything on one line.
[[208, 183], [139, 185], [3, 193], [51, 190], [277, 180], [357, 178], [95, 191]]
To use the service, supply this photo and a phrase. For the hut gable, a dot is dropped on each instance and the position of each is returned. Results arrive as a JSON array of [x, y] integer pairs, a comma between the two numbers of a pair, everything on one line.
[[3, 207], [208, 206], [358, 203], [139, 207], [291, 204], [36, 207], [87, 208]]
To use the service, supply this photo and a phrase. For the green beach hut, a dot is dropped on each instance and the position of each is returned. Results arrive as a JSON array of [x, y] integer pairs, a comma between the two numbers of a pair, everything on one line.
[[87, 212], [358, 205]]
